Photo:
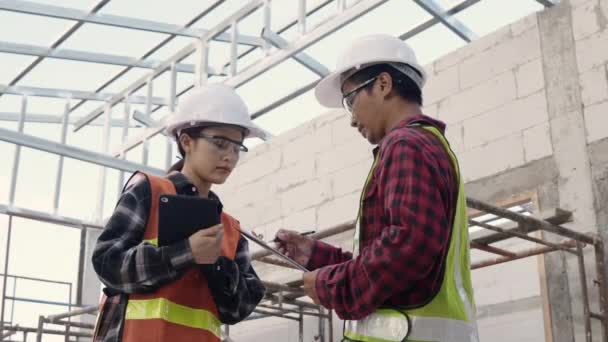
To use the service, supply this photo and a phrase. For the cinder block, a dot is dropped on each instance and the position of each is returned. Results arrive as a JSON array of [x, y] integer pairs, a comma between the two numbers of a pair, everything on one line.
[[493, 158], [307, 145], [301, 221], [475, 47], [529, 22], [258, 167], [329, 117], [341, 131], [305, 196], [585, 19], [596, 121], [590, 52], [481, 98], [513, 117], [339, 157], [431, 110], [350, 179], [253, 192], [537, 142], [441, 85], [594, 85], [500, 58], [530, 78], [491, 285], [338, 211], [298, 173], [455, 135], [522, 326], [269, 210]]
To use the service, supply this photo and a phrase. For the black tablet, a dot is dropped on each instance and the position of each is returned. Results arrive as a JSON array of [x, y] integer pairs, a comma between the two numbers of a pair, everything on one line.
[[180, 216]]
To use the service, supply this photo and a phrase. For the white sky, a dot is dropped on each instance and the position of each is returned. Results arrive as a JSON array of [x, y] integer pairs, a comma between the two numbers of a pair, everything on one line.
[[51, 252]]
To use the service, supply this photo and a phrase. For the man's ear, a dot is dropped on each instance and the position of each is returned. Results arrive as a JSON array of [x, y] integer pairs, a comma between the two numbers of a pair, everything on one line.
[[386, 83]]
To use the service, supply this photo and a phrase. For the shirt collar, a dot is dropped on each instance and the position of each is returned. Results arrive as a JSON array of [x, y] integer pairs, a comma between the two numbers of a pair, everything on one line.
[[183, 186], [423, 120], [419, 119]]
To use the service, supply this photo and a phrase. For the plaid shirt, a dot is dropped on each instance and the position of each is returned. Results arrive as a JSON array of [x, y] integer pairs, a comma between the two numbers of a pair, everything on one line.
[[407, 214], [127, 265]]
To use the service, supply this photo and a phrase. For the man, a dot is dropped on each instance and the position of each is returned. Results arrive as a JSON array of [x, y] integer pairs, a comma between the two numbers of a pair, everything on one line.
[[409, 276]]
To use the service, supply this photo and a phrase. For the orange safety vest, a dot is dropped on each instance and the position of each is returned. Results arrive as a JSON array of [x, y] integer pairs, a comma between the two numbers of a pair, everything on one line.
[[183, 310]]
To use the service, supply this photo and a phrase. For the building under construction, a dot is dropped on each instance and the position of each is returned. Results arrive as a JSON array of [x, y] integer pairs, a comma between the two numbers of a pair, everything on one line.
[[86, 86]]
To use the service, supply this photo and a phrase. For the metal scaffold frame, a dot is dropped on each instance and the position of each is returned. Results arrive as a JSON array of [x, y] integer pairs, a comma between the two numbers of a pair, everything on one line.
[[281, 300]]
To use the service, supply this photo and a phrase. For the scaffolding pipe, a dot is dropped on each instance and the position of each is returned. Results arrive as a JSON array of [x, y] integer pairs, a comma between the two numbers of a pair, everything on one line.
[[491, 249], [521, 236], [529, 220], [280, 287], [584, 294], [522, 254], [78, 312], [307, 313], [602, 287]]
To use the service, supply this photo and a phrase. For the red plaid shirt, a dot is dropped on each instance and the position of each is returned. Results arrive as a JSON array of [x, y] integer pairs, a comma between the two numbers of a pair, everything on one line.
[[408, 211]]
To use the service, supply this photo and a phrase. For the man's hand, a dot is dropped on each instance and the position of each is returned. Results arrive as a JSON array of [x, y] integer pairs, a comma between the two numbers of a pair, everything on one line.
[[295, 246], [206, 244], [310, 279]]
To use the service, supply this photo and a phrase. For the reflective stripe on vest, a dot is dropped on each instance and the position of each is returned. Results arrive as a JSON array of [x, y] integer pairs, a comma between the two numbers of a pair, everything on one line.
[[450, 315], [183, 309], [384, 325], [161, 308]]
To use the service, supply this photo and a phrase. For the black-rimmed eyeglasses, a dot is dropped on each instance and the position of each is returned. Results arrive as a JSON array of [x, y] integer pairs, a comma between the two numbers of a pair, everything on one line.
[[348, 99]]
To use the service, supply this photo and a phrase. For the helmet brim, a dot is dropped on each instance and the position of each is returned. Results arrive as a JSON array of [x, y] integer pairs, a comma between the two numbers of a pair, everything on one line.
[[329, 90]]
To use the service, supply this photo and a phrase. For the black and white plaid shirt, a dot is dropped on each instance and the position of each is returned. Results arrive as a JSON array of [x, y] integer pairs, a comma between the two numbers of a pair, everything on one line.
[[125, 264]]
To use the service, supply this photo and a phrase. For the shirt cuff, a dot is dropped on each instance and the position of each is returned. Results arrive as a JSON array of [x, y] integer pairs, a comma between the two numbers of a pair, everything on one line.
[[323, 287], [179, 255], [319, 255], [226, 273]]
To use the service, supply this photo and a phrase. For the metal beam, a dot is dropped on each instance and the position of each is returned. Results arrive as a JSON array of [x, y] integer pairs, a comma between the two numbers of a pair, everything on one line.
[[54, 119], [285, 99], [433, 21], [136, 141], [303, 58], [74, 152], [247, 9], [153, 50], [28, 7], [146, 120], [320, 32], [73, 94], [90, 57], [50, 218], [98, 7], [455, 25]]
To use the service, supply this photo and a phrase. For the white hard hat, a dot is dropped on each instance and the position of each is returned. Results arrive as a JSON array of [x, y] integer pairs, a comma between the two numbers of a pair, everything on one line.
[[213, 104], [363, 52]]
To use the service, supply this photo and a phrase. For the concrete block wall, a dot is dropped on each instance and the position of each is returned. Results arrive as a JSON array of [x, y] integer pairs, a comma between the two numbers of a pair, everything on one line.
[[497, 97], [590, 31]]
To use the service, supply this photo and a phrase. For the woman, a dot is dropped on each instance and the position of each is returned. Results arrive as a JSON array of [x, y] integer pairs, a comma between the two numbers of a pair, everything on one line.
[[159, 293]]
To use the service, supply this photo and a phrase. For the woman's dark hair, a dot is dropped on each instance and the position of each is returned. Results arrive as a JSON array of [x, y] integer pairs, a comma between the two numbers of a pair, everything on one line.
[[403, 86]]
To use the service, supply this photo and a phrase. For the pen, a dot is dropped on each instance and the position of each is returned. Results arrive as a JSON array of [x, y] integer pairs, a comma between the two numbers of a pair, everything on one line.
[[303, 234]]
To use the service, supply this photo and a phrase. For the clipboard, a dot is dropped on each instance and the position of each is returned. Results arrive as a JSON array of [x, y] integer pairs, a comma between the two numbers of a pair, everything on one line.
[[180, 216]]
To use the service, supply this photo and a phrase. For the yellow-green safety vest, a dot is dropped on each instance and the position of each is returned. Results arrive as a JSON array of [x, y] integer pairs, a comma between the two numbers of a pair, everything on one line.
[[450, 316]]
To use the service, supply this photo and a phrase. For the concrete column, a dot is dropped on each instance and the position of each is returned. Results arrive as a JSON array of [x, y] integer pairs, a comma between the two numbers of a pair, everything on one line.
[[568, 138]]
